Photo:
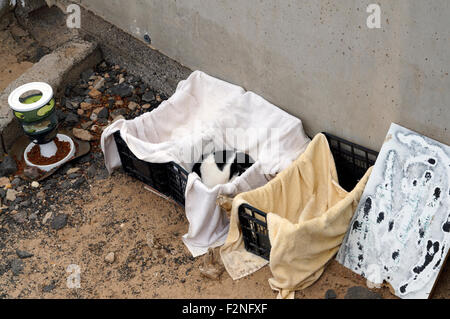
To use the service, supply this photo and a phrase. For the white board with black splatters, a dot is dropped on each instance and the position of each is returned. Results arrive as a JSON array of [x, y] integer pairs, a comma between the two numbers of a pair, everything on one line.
[[400, 231]]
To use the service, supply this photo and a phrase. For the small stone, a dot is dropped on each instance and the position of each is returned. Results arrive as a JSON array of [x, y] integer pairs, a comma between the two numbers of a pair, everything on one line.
[[146, 106], [103, 114], [73, 170], [86, 125], [49, 288], [94, 117], [11, 195], [82, 134], [110, 258], [99, 83], [72, 119], [117, 113], [95, 94], [47, 217], [330, 294], [59, 222], [85, 106], [359, 292], [8, 166], [16, 267], [80, 112], [23, 254], [132, 106], [122, 90], [158, 98], [119, 103], [117, 118], [35, 184], [16, 182], [148, 97], [4, 181], [40, 195], [91, 171], [121, 80]]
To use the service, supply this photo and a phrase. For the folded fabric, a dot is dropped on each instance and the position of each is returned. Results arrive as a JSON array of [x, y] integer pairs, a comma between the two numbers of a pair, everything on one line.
[[207, 114], [308, 216]]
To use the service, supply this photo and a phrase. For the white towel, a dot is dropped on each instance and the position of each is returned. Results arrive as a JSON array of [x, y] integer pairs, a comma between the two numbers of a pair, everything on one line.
[[205, 111]]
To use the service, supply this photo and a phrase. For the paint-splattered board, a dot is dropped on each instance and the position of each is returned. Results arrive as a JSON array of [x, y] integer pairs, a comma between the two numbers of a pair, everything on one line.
[[400, 231]]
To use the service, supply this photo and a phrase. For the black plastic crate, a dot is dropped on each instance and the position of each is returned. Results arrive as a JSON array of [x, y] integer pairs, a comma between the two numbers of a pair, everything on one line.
[[352, 162], [167, 178]]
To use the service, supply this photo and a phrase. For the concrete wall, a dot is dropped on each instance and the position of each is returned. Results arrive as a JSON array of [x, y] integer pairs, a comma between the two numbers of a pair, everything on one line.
[[315, 59]]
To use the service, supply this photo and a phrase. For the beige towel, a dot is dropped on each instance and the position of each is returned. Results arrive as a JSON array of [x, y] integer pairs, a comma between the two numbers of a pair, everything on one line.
[[309, 214]]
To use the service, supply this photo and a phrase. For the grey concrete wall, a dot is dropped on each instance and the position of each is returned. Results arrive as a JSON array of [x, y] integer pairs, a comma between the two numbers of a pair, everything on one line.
[[315, 59]]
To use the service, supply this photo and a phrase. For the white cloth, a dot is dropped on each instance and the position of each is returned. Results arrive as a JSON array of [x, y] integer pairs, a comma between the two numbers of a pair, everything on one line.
[[208, 113]]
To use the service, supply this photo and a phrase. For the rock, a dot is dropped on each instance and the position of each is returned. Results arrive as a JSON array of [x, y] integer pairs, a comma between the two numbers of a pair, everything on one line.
[[99, 83], [119, 117], [80, 112], [23, 254], [2, 193], [16, 267], [73, 170], [16, 182], [359, 292], [330, 294], [32, 173], [117, 113], [82, 134], [146, 106], [4, 181], [86, 125], [40, 195], [49, 288], [95, 94], [59, 222], [103, 114], [94, 117], [110, 258], [85, 106], [78, 182], [11, 195], [72, 119], [85, 75], [35, 184], [132, 106], [47, 217], [122, 90], [148, 97], [119, 103], [8, 166], [158, 98], [91, 171]]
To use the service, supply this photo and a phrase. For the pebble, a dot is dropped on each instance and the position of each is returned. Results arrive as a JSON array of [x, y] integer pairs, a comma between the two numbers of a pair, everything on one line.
[[48, 288], [8, 166], [32, 173], [330, 294], [91, 171], [47, 217], [359, 292], [133, 105], [82, 134], [110, 258], [148, 97], [80, 112], [11, 195], [85, 106], [4, 181], [73, 170], [103, 114], [94, 117], [86, 125], [146, 106], [35, 184], [23, 254], [59, 222], [119, 103], [72, 119], [122, 90]]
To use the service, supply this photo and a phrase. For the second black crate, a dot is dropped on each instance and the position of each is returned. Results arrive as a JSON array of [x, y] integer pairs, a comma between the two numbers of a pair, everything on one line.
[[352, 162]]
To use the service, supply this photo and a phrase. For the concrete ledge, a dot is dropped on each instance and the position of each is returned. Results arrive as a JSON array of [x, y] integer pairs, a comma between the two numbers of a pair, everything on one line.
[[59, 68]]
